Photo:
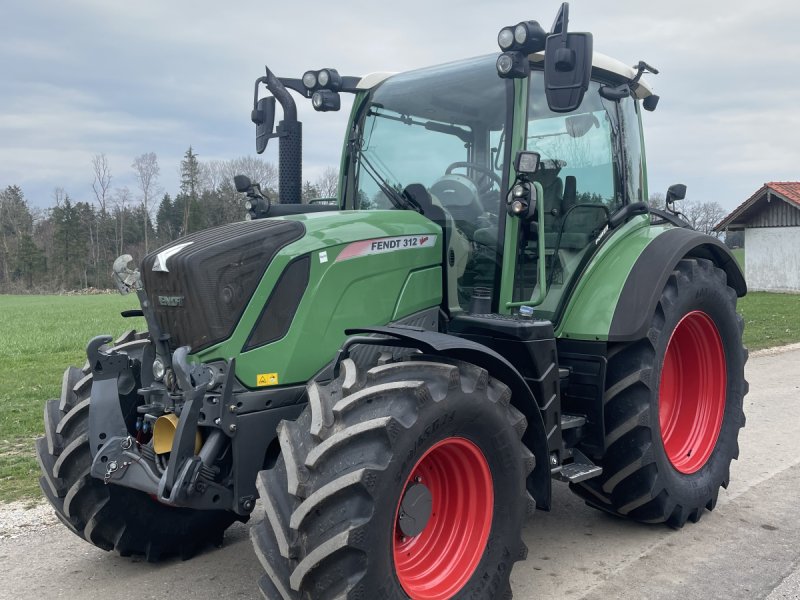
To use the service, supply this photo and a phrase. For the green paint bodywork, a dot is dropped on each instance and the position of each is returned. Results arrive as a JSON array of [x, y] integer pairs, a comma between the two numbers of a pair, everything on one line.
[[357, 292], [591, 307], [517, 143], [541, 267]]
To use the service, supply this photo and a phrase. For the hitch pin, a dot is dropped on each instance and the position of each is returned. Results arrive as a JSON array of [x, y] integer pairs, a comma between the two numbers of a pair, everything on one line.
[[112, 468]]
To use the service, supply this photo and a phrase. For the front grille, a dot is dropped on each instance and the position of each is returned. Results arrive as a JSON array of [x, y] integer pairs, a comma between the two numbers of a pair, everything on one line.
[[210, 281]]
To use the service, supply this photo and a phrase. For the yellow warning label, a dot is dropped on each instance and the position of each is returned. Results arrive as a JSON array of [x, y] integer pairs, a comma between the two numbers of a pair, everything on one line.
[[263, 379]]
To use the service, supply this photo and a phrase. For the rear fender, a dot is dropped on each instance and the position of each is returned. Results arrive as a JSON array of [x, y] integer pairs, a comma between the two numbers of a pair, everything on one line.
[[650, 272], [617, 293]]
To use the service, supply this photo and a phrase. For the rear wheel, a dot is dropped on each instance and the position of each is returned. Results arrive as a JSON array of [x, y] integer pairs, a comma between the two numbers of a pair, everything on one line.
[[673, 404], [110, 516], [408, 481]]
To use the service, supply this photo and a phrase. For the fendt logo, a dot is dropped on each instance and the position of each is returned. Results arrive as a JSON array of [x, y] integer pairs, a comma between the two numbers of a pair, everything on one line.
[[170, 300]]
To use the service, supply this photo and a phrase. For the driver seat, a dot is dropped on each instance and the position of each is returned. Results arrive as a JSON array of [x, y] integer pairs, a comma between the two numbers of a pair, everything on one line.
[[459, 195]]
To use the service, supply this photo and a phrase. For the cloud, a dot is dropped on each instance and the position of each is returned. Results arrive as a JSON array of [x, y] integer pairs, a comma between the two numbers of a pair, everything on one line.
[[93, 76]]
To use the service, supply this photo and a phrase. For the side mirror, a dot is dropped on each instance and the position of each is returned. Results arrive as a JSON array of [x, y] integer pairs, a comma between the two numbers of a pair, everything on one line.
[[676, 192], [263, 116], [242, 183], [567, 69]]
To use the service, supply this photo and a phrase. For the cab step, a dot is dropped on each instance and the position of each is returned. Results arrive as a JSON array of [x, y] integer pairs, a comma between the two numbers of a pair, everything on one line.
[[572, 421], [580, 469]]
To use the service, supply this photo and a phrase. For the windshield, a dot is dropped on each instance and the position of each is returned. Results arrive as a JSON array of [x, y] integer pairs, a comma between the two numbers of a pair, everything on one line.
[[442, 127]]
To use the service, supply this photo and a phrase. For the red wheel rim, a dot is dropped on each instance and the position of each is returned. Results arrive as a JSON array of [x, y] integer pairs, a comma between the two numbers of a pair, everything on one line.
[[691, 397], [438, 562]]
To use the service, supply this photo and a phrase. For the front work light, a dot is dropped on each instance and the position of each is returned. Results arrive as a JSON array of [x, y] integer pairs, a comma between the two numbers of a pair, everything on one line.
[[326, 100], [529, 37], [513, 65], [526, 37], [505, 39], [517, 42], [324, 79], [310, 80]]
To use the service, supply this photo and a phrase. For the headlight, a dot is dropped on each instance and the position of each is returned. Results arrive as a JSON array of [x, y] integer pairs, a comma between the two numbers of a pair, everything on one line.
[[505, 38], [326, 100], [310, 79], [513, 65], [248, 205], [504, 64], [158, 369], [248, 217], [323, 77], [520, 34]]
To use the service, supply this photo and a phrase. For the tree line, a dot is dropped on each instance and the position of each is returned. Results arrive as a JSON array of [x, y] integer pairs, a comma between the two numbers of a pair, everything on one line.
[[702, 216], [73, 243]]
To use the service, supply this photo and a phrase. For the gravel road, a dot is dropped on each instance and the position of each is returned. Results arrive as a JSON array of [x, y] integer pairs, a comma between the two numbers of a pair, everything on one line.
[[748, 548]]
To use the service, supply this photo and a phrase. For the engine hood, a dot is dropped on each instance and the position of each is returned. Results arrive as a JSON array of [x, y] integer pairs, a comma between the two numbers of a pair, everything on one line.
[[199, 285]]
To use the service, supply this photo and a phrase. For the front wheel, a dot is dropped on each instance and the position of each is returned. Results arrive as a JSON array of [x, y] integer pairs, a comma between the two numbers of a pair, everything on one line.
[[408, 482], [673, 404]]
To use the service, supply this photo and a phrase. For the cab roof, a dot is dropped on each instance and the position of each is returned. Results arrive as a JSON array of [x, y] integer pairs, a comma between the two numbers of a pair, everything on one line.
[[600, 62]]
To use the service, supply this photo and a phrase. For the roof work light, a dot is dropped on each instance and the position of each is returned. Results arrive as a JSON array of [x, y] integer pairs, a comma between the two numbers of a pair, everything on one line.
[[516, 42], [324, 79], [323, 87], [326, 100]]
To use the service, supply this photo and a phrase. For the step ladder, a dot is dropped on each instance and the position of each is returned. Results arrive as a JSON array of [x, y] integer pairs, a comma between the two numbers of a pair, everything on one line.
[[581, 468]]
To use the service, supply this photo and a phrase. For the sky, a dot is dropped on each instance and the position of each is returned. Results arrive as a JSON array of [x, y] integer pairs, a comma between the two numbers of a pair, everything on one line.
[[83, 77]]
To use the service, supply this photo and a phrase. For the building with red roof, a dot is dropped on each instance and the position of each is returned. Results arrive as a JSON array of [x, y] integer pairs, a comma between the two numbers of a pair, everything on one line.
[[770, 219]]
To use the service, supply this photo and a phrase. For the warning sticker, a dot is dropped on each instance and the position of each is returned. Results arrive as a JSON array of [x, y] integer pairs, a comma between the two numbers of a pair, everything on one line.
[[263, 379], [387, 244]]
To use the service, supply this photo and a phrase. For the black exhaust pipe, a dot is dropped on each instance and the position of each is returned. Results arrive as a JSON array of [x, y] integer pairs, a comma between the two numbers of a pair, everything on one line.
[[290, 142]]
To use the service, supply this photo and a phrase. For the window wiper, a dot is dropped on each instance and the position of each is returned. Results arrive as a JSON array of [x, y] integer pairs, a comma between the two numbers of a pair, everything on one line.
[[465, 135], [395, 197]]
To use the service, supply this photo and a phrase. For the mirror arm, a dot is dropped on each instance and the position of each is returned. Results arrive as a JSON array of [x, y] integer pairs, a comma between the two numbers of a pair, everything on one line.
[[626, 212], [283, 96]]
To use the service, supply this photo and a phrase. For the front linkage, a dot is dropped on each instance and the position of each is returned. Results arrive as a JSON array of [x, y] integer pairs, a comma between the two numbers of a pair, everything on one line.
[[195, 473]]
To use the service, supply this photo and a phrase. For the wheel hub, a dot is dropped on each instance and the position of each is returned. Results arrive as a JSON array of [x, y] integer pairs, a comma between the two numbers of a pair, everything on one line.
[[443, 520], [415, 510]]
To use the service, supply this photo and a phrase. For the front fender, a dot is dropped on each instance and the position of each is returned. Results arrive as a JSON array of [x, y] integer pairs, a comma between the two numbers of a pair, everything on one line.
[[432, 342]]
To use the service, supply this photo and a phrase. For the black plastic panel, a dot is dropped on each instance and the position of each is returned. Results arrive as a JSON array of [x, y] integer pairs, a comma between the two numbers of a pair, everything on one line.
[[278, 312], [201, 298], [583, 394]]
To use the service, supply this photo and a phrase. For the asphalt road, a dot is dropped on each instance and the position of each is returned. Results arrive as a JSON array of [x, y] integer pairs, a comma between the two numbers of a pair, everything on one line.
[[748, 548]]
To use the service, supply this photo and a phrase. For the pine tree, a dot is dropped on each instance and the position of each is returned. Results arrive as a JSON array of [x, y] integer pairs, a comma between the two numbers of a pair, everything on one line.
[[190, 183], [30, 260]]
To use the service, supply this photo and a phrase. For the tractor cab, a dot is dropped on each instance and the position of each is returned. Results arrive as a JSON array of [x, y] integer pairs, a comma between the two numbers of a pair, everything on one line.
[[456, 130], [444, 141]]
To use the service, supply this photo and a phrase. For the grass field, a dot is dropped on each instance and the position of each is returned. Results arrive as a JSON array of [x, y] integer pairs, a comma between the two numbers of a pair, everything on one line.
[[738, 253], [41, 335]]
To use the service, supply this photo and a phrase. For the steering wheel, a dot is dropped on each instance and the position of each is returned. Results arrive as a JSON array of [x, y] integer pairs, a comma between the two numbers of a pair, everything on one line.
[[482, 186]]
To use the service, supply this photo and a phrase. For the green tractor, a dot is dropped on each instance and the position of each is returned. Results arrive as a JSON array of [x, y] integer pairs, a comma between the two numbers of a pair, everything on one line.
[[400, 373]]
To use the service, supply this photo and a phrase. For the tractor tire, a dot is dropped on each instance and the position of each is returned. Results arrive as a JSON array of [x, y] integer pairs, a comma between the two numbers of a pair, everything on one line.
[[673, 404], [110, 516], [406, 481]]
